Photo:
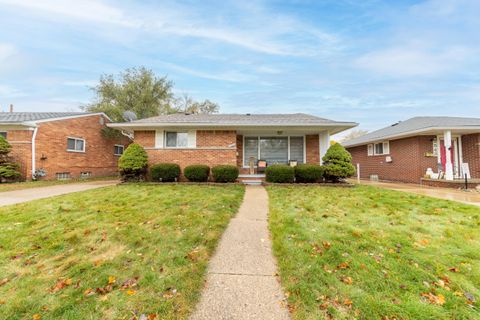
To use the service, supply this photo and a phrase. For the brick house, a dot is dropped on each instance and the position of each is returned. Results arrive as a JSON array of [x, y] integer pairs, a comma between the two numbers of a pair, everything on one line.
[[449, 146], [62, 145], [235, 139]]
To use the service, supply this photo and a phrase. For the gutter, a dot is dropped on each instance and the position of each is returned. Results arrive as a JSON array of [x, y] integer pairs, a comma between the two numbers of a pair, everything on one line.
[[34, 135]]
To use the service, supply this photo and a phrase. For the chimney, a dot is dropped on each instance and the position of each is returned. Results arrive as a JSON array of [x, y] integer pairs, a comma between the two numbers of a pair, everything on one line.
[[11, 107]]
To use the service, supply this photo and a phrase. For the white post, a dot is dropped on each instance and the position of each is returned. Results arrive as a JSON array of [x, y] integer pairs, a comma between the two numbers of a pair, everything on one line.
[[447, 140], [324, 144], [358, 172]]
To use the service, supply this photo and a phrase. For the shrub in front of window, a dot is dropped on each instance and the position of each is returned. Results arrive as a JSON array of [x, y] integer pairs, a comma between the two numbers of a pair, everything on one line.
[[197, 173], [165, 172], [308, 173], [280, 173], [225, 173], [337, 163], [8, 169], [133, 163]]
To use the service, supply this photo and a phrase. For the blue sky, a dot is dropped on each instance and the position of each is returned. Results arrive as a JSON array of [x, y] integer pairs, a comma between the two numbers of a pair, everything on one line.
[[374, 62]]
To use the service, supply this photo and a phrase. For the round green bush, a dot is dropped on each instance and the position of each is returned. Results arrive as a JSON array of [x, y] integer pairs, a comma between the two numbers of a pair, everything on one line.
[[133, 163], [165, 172], [337, 163], [280, 173], [308, 173], [225, 173], [197, 173]]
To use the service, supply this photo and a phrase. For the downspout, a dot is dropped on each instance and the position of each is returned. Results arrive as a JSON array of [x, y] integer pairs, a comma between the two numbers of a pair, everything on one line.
[[33, 153]]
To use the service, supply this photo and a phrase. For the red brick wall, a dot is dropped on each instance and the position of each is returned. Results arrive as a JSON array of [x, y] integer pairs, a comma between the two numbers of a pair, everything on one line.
[[216, 138], [312, 149], [239, 151], [21, 141], [145, 138], [471, 153], [409, 161], [52, 154]]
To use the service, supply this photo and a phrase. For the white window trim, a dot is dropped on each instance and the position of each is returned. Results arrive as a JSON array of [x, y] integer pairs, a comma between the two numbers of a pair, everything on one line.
[[78, 151], [118, 145], [288, 146], [373, 150]]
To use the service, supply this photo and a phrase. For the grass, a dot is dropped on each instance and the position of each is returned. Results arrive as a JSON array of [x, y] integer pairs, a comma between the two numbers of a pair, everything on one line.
[[123, 252], [369, 253], [46, 183]]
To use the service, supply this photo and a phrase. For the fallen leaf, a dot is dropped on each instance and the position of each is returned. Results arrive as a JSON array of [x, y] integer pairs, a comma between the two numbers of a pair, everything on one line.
[[4, 281], [347, 302], [152, 316], [434, 299], [129, 283], [36, 316], [326, 244], [424, 242], [453, 269], [343, 265], [112, 280], [131, 292], [89, 292], [61, 284], [347, 280]]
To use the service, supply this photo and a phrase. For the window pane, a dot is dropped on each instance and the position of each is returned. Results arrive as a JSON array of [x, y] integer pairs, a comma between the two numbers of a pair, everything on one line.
[[379, 148], [171, 139], [70, 144], [182, 139], [274, 150], [79, 145], [296, 149], [251, 150], [3, 134]]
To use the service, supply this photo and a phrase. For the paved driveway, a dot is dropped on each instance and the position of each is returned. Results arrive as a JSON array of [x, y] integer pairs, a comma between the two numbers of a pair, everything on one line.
[[468, 197], [19, 196]]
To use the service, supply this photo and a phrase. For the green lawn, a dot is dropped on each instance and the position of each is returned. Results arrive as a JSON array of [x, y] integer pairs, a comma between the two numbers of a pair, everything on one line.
[[124, 252], [369, 253], [45, 183]]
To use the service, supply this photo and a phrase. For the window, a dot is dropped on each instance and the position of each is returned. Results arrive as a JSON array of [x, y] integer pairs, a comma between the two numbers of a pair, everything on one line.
[[3, 134], [176, 139], [75, 144], [62, 175], [378, 149], [435, 147], [85, 174], [273, 149], [118, 149]]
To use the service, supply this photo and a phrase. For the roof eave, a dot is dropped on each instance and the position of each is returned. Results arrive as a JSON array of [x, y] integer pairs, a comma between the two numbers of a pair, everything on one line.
[[193, 124]]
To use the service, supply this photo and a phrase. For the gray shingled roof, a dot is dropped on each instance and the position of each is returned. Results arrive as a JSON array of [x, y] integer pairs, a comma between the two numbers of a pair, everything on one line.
[[411, 126], [238, 119], [19, 117]]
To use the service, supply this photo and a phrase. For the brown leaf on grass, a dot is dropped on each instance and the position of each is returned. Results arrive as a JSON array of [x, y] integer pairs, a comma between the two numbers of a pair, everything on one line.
[[4, 281], [453, 269], [61, 284], [88, 292], [316, 250], [424, 242], [192, 255], [347, 280], [36, 316], [104, 290], [104, 236], [470, 297], [327, 269], [324, 305], [112, 280], [347, 302], [2, 302], [131, 292], [130, 283], [434, 299], [169, 293], [343, 265], [44, 308], [326, 244]]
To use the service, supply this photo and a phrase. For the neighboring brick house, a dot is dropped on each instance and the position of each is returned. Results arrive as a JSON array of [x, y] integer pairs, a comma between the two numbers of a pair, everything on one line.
[[62, 145], [235, 139], [406, 150]]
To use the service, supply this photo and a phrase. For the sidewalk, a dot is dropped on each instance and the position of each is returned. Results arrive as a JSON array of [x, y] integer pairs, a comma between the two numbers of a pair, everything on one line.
[[468, 197], [241, 282], [19, 196]]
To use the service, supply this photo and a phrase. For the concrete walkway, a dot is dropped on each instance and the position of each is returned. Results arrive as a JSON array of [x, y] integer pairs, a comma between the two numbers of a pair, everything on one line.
[[468, 197], [241, 282], [19, 196]]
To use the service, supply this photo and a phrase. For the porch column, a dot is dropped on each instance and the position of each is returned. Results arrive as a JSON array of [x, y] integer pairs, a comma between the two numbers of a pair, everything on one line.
[[324, 143], [447, 141]]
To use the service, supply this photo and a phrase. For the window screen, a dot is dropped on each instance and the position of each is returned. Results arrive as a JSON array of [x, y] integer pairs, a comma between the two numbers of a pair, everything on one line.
[[176, 139], [274, 150], [296, 149], [251, 150]]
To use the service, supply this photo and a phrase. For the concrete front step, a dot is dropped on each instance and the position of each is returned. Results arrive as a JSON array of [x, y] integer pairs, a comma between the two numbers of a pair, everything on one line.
[[252, 182], [252, 179]]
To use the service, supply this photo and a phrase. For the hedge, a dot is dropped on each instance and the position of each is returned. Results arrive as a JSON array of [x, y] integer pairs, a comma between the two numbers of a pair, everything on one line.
[[225, 173], [165, 172], [197, 173], [280, 173], [133, 163], [308, 173], [337, 163]]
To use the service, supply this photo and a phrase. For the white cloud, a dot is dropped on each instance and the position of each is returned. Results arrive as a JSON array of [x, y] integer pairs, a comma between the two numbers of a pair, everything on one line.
[[231, 76], [10, 92], [413, 61], [6, 51]]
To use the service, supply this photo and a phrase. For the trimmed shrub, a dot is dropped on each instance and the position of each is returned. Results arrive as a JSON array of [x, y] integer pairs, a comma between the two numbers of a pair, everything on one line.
[[133, 163], [197, 173], [8, 170], [225, 173], [308, 173], [337, 163], [165, 172], [280, 173]]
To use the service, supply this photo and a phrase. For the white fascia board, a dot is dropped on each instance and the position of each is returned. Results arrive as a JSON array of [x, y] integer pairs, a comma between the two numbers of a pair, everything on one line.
[[339, 125]]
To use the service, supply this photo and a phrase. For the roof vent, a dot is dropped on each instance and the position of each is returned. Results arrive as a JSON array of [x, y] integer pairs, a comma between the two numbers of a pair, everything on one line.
[[249, 114], [396, 124]]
